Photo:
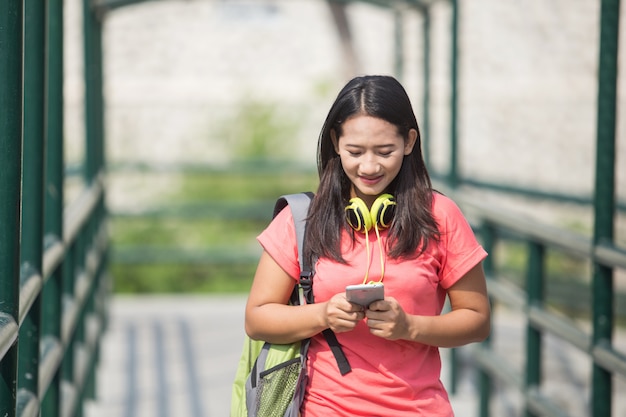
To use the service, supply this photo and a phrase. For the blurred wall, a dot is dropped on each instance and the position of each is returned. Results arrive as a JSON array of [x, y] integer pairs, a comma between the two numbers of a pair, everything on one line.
[[177, 70]]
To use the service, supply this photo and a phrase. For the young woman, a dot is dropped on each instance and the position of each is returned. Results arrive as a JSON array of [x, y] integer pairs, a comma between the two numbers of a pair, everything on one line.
[[420, 247]]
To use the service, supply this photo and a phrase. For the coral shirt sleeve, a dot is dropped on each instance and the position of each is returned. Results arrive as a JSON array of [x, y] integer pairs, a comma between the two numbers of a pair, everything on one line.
[[279, 241], [460, 249]]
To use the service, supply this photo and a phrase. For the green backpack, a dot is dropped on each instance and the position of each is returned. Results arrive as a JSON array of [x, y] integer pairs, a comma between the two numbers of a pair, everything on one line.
[[271, 379]]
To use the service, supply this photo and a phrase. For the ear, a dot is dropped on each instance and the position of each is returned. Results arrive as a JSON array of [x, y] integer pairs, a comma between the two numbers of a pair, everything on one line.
[[335, 140], [410, 142]]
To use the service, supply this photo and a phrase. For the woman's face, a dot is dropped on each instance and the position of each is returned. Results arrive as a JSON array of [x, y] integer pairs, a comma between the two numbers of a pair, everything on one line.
[[371, 152]]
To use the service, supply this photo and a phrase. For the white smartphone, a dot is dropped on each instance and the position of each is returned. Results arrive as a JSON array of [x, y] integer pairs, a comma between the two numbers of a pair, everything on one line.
[[365, 294]]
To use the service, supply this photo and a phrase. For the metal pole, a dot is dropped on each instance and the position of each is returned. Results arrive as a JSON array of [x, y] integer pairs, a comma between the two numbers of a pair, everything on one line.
[[490, 237], [94, 157], [453, 175], [54, 193], [604, 199], [535, 297], [32, 194], [94, 105], [11, 27]]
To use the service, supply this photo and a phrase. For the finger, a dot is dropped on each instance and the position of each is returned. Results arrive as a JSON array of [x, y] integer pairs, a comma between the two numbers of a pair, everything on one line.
[[353, 307], [374, 314], [376, 306], [356, 307], [355, 316], [343, 326], [373, 323]]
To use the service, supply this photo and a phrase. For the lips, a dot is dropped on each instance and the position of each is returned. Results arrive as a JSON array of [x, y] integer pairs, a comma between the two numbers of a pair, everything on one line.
[[370, 181]]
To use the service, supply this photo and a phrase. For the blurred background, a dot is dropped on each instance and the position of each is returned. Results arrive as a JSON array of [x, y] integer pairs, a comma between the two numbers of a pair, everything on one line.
[[213, 109]]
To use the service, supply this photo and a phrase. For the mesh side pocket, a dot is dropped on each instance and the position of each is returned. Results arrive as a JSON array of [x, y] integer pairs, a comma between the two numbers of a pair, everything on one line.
[[276, 388]]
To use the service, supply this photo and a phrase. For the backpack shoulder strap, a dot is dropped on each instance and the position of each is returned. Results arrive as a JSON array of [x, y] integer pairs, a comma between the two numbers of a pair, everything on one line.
[[299, 204]]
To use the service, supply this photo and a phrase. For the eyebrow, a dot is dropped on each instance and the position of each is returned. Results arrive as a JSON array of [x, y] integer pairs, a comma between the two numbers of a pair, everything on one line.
[[384, 146]]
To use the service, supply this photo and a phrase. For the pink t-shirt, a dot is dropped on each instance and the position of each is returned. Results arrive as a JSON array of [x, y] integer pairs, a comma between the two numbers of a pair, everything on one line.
[[388, 378]]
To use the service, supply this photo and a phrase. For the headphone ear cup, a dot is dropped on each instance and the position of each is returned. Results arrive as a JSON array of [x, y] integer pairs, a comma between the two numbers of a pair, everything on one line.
[[383, 210], [358, 215]]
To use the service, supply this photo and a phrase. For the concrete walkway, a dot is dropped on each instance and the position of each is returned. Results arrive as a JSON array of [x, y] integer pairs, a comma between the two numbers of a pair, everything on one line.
[[176, 356], [169, 356]]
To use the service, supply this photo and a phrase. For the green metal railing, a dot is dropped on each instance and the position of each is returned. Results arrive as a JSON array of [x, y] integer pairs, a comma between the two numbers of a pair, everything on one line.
[[53, 284], [496, 227], [52, 255], [530, 303], [600, 250]]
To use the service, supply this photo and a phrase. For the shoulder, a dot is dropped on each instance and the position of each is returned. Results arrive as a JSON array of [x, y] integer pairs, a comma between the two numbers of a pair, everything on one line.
[[282, 221], [448, 214], [444, 206], [279, 240]]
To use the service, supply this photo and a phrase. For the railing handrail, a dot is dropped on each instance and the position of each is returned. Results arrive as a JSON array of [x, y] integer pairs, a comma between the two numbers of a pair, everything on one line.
[[539, 319], [574, 243]]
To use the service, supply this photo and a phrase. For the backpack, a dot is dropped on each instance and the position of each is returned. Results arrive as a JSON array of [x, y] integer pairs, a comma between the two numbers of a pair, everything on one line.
[[271, 378]]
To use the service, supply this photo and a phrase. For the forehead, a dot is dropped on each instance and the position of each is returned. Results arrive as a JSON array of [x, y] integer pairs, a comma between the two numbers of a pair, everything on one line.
[[368, 127]]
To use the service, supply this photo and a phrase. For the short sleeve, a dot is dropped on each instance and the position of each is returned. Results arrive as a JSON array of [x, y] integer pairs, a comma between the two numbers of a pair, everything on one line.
[[279, 241], [459, 248]]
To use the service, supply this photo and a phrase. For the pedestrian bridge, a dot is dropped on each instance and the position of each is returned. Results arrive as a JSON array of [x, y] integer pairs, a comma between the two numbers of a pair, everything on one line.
[[89, 325], [175, 355]]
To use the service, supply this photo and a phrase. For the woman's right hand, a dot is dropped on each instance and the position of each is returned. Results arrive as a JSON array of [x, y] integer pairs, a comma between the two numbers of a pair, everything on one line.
[[342, 315]]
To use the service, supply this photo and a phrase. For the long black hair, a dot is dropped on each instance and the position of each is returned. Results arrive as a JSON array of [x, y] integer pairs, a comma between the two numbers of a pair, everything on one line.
[[413, 226]]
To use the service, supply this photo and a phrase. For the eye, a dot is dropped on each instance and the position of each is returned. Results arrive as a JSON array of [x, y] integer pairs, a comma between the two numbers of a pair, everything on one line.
[[354, 151], [386, 151]]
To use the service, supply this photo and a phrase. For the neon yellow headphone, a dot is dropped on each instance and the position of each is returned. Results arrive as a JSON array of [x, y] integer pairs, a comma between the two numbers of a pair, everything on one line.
[[380, 216]]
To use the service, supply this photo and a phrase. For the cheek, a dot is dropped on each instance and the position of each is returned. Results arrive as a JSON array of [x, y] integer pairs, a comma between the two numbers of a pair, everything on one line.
[[395, 165], [348, 164]]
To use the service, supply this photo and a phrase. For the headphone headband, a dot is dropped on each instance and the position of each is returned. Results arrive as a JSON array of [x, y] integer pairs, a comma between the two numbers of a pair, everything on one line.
[[380, 216]]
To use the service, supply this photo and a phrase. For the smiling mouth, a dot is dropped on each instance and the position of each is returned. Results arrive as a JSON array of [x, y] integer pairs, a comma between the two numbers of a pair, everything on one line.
[[370, 181]]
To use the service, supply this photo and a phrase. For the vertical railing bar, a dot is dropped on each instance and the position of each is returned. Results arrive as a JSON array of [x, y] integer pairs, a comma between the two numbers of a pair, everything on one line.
[[32, 192], [31, 284], [99, 216], [489, 240], [51, 359], [93, 92], [52, 257], [11, 111], [79, 289], [94, 161], [67, 306], [99, 237], [453, 174], [604, 198], [53, 213], [97, 56], [79, 212], [535, 297]]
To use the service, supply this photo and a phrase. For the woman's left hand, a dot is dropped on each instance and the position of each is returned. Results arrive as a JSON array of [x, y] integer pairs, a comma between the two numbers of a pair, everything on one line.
[[467, 322], [387, 319]]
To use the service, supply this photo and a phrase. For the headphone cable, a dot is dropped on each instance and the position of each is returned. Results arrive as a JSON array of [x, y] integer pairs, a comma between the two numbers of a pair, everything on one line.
[[369, 256]]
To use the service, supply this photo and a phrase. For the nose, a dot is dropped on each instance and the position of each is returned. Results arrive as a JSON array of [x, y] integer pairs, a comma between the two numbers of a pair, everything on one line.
[[369, 165]]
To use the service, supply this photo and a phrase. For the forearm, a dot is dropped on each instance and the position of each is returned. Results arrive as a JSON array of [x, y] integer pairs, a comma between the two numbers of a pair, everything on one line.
[[467, 322], [456, 328], [279, 323]]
